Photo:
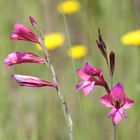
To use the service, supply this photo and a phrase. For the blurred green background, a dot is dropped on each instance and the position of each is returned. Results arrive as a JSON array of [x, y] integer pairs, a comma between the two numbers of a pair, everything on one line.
[[36, 113]]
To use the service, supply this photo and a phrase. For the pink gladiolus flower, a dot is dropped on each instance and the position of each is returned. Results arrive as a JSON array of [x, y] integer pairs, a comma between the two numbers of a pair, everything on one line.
[[118, 100], [21, 32], [91, 76], [23, 57], [30, 81]]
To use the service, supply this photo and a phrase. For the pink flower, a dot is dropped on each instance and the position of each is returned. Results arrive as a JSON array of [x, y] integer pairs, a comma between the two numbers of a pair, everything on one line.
[[91, 76], [23, 57], [118, 101], [21, 32], [30, 81]]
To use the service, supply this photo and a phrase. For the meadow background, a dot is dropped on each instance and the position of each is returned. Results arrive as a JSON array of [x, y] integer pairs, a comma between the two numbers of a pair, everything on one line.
[[35, 113]]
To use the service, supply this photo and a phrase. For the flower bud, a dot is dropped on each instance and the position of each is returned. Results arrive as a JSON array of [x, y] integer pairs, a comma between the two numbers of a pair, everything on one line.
[[101, 45], [30, 81], [112, 63], [23, 57], [32, 20]]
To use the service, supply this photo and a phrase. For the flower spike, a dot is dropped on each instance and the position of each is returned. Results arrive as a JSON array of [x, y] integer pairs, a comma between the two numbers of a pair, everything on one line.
[[21, 32], [23, 57]]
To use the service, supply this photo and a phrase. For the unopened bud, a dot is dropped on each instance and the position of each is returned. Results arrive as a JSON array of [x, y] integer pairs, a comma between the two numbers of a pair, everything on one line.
[[112, 63], [32, 20], [101, 45]]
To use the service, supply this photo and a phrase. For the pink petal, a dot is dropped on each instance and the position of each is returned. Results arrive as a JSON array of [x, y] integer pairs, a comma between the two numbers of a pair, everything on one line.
[[21, 32], [87, 89], [117, 118], [112, 112], [14, 37], [31, 81], [23, 57], [82, 84], [128, 103], [82, 74], [117, 115], [91, 70], [118, 92], [122, 112], [106, 100]]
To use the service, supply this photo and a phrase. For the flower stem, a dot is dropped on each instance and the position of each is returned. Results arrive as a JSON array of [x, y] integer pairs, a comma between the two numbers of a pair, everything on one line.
[[107, 88], [60, 94], [114, 132]]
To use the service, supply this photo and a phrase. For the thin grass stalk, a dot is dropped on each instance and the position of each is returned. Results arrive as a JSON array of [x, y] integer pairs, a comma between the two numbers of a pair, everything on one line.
[[73, 64], [114, 131], [68, 39]]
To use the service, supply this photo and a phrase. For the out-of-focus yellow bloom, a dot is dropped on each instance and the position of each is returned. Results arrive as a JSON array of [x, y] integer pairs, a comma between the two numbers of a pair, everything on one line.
[[68, 7], [77, 51], [131, 38], [53, 41]]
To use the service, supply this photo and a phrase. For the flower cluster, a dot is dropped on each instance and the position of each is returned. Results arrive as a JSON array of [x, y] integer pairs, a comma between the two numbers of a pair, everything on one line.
[[21, 32], [115, 97]]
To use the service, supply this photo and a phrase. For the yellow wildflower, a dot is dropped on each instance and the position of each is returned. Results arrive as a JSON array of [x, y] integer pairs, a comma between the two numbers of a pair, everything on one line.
[[53, 41], [131, 38], [77, 51], [68, 7]]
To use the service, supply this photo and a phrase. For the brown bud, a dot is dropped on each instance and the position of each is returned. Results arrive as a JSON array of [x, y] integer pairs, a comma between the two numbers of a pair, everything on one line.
[[112, 63]]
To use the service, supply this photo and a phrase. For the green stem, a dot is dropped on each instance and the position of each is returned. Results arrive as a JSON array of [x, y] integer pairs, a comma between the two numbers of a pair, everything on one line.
[[60, 94], [68, 39], [73, 66], [114, 131]]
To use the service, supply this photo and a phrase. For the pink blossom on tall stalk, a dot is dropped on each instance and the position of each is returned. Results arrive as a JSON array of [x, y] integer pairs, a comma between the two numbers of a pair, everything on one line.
[[23, 57], [118, 101], [91, 76], [21, 32], [31, 81]]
